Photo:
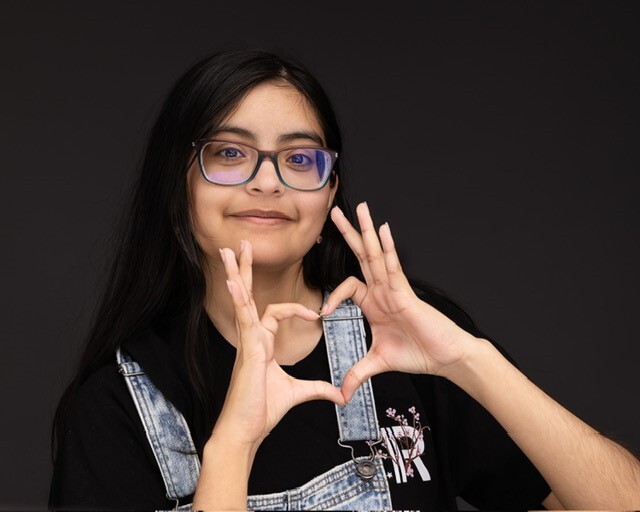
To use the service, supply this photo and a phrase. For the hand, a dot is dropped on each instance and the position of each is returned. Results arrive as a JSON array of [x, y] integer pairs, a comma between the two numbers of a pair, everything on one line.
[[408, 334], [261, 392]]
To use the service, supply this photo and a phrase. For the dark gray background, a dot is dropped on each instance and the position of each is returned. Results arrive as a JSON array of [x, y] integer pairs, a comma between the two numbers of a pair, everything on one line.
[[499, 139]]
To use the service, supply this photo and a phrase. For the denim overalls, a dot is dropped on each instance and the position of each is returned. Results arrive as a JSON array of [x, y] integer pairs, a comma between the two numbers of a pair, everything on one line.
[[360, 484]]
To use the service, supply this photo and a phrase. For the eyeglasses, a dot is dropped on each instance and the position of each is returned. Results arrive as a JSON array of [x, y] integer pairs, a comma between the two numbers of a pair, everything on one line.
[[226, 162]]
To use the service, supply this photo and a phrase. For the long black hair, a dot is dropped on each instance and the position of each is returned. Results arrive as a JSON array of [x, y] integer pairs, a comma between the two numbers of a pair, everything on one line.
[[157, 268]]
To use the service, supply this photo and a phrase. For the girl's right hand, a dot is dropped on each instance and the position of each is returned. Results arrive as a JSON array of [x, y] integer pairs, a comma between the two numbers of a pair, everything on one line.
[[260, 392]]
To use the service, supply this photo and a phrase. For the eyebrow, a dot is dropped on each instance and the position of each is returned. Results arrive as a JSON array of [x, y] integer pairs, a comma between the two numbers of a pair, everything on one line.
[[282, 139]]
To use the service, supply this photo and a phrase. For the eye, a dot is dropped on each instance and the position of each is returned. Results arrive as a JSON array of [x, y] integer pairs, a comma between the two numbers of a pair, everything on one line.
[[299, 160], [230, 153]]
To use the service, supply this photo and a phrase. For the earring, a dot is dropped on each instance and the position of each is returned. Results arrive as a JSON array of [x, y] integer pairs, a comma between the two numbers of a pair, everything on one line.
[[319, 239]]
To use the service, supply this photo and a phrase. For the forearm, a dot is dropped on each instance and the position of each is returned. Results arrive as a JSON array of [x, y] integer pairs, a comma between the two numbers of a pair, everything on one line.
[[583, 468], [224, 475]]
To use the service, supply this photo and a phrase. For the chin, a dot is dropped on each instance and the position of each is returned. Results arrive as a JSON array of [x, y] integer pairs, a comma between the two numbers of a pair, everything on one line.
[[275, 256]]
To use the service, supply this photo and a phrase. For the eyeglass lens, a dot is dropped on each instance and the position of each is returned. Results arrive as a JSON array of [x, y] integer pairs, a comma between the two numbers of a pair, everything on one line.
[[229, 163]]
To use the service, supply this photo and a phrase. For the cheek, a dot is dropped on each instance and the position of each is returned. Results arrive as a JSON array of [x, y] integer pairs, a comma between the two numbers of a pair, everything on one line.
[[206, 210], [315, 211]]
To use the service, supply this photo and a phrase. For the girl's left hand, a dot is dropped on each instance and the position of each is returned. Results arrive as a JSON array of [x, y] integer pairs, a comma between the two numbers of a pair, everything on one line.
[[408, 334]]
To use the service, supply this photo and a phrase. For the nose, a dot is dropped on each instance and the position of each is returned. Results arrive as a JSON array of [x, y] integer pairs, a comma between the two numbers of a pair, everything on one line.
[[266, 180]]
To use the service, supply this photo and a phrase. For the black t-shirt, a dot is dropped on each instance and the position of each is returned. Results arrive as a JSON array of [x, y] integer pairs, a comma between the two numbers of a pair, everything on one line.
[[438, 443]]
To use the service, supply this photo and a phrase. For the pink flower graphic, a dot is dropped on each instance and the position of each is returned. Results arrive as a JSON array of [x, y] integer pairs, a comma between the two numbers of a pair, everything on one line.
[[407, 439]]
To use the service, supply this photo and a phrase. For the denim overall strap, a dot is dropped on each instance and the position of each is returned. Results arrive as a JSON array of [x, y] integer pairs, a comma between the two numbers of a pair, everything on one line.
[[337, 489], [340, 488], [345, 339], [166, 430]]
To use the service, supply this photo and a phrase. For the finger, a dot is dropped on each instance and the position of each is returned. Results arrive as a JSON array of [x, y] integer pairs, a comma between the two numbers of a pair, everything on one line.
[[244, 310], [306, 390], [245, 265], [350, 288], [353, 239], [368, 366], [233, 275], [396, 276], [233, 271], [372, 247], [275, 313]]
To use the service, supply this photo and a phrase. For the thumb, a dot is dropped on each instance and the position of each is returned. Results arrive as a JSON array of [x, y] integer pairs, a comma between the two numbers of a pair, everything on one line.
[[306, 390], [368, 366]]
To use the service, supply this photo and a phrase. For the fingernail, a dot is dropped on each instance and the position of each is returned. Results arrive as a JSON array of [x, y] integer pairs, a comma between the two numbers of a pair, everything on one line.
[[337, 209], [314, 313], [229, 286], [222, 256], [324, 309], [366, 206], [242, 246]]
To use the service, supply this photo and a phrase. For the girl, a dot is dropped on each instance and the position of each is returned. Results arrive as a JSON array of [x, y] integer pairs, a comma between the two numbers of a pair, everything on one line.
[[226, 367]]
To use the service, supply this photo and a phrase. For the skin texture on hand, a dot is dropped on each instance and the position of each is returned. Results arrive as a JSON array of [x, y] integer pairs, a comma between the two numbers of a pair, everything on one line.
[[260, 392], [408, 334]]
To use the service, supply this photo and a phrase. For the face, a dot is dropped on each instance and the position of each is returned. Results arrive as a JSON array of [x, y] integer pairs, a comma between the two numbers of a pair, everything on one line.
[[282, 224]]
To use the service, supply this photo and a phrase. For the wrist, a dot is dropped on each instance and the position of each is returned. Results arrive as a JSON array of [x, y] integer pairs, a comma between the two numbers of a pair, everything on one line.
[[223, 441], [468, 371], [224, 475]]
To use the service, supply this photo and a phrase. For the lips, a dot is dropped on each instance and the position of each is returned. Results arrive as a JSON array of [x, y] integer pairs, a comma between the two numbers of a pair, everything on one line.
[[261, 214], [264, 214]]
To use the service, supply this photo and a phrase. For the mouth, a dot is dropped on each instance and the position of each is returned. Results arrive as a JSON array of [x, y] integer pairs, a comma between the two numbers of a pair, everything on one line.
[[261, 216]]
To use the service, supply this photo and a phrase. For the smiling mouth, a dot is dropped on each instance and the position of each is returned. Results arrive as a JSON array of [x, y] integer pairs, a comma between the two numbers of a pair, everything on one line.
[[261, 216]]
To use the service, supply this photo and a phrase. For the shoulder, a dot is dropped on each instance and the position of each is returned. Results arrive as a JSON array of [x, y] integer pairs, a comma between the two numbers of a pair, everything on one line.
[[103, 404], [103, 456]]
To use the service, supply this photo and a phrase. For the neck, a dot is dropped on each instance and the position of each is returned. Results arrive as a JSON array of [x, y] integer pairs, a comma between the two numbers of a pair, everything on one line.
[[269, 287]]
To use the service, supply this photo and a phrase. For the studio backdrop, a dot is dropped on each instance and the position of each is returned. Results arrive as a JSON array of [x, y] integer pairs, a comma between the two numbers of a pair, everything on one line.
[[498, 139]]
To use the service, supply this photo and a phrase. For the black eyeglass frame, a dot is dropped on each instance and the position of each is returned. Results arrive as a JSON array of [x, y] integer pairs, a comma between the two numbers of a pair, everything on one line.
[[199, 145]]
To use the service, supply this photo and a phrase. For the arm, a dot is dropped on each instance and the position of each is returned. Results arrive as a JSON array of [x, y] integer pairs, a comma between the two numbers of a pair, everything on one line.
[[552, 503], [224, 474], [583, 468]]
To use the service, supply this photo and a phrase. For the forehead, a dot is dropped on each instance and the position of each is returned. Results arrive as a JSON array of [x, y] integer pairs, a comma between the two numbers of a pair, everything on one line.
[[271, 110]]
